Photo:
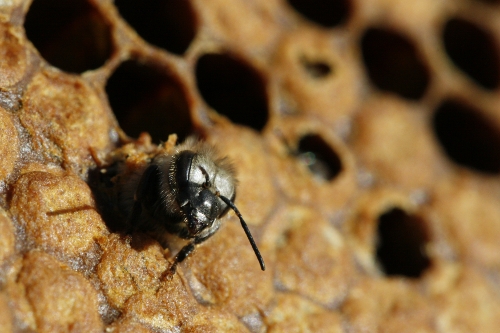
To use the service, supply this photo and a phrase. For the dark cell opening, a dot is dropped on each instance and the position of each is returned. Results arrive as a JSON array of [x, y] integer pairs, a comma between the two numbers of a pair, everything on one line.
[[147, 99], [327, 13], [321, 160], [168, 24], [233, 88], [315, 69], [401, 244], [468, 138], [393, 64], [70, 35], [473, 51]]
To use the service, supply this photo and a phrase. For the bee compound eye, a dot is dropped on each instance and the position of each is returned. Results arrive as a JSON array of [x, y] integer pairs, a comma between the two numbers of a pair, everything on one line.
[[183, 167]]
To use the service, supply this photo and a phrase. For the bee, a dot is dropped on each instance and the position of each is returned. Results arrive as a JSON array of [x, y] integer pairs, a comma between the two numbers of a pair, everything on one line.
[[184, 194]]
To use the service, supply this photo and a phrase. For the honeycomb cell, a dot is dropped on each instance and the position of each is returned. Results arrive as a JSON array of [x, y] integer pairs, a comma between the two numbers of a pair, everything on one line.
[[393, 63], [317, 76], [70, 35], [372, 232], [137, 271], [167, 310], [388, 305], [295, 178], [468, 211], [57, 213], [473, 50], [145, 98], [327, 13], [321, 160], [469, 138], [255, 33], [393, 141], [224, 272], [170, 24], [60, 298], [59, 113], [233, 88], [311, 257], [402, 239]]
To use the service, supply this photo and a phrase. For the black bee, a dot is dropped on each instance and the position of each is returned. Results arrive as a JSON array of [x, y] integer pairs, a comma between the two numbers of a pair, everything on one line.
[[184, 194]]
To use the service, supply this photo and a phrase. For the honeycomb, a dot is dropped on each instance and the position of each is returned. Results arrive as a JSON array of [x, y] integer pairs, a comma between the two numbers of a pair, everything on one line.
[[365, 135]]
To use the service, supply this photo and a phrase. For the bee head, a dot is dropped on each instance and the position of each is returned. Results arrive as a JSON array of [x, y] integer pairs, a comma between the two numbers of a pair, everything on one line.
[[200, 182], [205, 192]]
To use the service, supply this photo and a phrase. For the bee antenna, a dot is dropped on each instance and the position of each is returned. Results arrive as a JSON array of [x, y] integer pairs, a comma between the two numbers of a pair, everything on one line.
[[247, 231]]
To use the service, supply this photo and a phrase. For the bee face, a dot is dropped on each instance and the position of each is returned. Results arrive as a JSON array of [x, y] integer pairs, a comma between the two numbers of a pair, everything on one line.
[[199, 183], [185, 194]]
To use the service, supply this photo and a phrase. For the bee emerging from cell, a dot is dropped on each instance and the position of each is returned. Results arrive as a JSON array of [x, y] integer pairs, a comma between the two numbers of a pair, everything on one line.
[[181, 192]]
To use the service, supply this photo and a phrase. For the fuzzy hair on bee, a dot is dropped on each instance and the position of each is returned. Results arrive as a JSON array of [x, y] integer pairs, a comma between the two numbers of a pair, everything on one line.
[[184, 194]]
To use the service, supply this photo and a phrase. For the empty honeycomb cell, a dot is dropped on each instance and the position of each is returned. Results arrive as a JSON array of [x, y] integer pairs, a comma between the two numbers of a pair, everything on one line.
[[14, 61], [233, 88], [467, 136], [169, 24], [363, 228], [70, 35], [146, 98], [401, 245], [474, 50], [9, 145], [60, 297], [393, 63], [321, 160], [57, 214], [327, 13]]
